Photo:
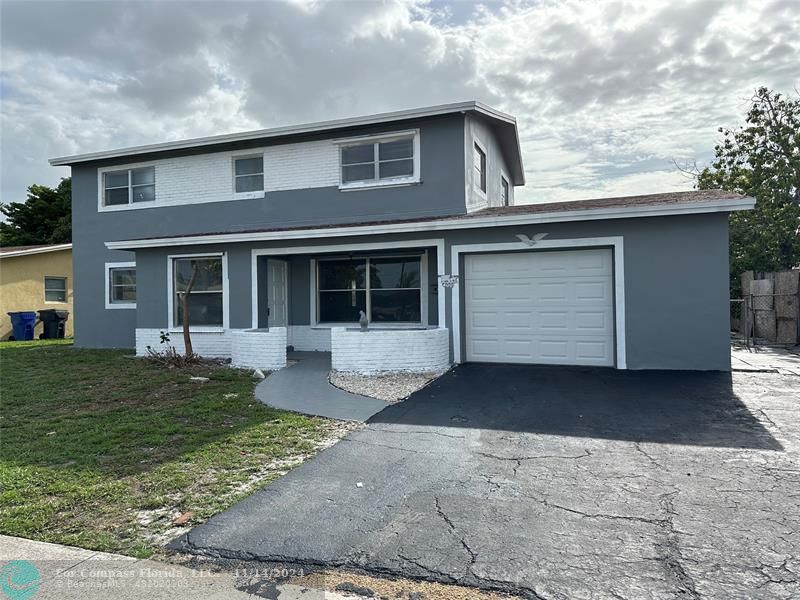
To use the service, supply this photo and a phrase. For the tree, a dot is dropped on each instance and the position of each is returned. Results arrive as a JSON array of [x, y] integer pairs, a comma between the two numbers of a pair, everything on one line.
[[44, 218], [761, 159], [187, 338]]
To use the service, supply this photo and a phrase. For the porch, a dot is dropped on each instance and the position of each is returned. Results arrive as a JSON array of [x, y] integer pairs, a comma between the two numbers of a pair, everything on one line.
[[312, 299]]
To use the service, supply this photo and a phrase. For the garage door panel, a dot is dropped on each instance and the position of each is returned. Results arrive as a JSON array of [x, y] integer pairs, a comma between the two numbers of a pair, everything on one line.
[[593, 321], [540, 307], [595, 291], [559, 320]]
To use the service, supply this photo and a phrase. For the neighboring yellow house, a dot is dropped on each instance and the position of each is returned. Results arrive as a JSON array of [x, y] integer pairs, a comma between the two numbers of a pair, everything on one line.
[[35, 278]]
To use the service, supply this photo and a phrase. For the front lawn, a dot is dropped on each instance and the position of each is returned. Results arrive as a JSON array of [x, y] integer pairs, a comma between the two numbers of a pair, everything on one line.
[[104, 451]]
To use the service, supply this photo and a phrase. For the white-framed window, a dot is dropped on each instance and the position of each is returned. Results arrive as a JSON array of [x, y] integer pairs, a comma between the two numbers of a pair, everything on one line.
[[389, 289], [248, 174], [55, 289], [504, 191], [120, 285], [124, 187], [391, 159], [479, 167], [207, 297]]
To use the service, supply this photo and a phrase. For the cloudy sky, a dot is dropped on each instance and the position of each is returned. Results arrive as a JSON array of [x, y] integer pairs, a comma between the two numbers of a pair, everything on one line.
[[606, 94]]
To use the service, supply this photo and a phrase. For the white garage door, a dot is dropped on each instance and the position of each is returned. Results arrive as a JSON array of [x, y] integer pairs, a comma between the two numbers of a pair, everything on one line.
[[540, 307]]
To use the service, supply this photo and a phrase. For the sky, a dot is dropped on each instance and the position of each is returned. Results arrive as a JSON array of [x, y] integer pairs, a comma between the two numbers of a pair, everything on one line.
[[607, 95]]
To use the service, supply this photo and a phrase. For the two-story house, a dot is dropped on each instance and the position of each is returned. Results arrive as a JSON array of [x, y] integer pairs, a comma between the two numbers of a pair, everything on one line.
[[288, 234]]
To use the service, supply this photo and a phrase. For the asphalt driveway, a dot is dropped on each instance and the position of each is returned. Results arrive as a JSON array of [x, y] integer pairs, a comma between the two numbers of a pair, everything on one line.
[[552, 483]]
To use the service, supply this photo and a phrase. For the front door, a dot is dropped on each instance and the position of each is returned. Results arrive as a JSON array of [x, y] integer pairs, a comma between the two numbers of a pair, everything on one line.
[[276, 293]]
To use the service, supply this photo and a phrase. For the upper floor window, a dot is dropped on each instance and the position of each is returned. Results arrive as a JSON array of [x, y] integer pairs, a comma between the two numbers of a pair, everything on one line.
[[55, 289], [379, 161], [127, 186], [479, 165], [248, 174], [504, 191]]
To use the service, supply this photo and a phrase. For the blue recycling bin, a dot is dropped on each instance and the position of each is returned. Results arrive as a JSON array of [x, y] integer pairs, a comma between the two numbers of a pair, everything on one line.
[[23, 323]]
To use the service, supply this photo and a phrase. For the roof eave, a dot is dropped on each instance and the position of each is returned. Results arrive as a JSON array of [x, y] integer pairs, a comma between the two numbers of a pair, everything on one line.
[[653, 210], [31, 251], [321, 126]]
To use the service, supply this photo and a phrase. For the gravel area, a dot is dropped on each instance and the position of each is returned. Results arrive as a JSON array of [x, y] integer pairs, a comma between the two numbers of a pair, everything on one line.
[[389, 387]]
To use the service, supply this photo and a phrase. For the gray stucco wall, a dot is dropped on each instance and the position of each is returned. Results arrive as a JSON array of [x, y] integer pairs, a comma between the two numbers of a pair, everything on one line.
[[676, 283], [441, 141]]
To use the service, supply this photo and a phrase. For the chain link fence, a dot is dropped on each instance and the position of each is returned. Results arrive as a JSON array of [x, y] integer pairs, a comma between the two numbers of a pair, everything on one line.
[[766, 319]]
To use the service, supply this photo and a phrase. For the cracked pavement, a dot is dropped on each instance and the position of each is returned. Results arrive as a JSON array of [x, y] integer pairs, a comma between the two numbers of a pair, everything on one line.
[[551, 483]]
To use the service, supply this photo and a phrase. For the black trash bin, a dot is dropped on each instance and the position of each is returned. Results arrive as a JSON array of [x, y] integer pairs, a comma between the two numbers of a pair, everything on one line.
[[54, 323]]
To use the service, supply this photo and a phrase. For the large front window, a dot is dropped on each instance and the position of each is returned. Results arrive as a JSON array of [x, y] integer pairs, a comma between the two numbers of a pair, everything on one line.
[[204, 276], [388, 290]]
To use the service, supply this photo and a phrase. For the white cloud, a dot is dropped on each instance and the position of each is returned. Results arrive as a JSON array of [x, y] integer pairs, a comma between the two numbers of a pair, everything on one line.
[[606, 93]]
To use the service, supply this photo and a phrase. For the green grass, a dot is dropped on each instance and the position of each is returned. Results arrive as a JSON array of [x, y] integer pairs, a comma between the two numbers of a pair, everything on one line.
[[101, 450]]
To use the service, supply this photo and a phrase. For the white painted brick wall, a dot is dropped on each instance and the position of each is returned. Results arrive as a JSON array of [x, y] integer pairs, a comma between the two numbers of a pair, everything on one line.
[[209, 177], [259, 349], [311, 339], [300, 166], [405, 350], [211, 344]]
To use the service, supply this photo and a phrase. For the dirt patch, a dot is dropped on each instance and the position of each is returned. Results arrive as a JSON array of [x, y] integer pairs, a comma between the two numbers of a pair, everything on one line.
[[363, 586]]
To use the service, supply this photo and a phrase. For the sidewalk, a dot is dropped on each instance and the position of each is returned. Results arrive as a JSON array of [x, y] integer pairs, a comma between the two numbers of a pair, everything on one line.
[[785, 361], [304, 388], [41, 571]]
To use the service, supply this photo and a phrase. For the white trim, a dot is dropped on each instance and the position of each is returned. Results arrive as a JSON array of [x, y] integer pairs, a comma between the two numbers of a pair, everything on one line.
[[108, 267], [376, 139], [444, 224], [171, 326], [438, 243], [29, 251], [292, 130], [616, 242]]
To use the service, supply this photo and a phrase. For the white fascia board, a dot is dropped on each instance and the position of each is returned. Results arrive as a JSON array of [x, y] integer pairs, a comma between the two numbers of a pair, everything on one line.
[[320, 126], [595, 214], [55, 248]]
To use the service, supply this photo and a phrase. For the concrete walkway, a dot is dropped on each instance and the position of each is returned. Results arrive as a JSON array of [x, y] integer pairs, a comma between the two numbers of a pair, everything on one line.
[[304, 388], [785, 361], [42, 571]]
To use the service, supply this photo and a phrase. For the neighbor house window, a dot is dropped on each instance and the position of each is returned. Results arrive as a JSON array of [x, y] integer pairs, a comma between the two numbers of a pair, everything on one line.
[[504, 191], [388, 160], [205, 298], [479, 164], [127, 186], [248, 174], [121, 285], [55, 289], [388, 290]]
